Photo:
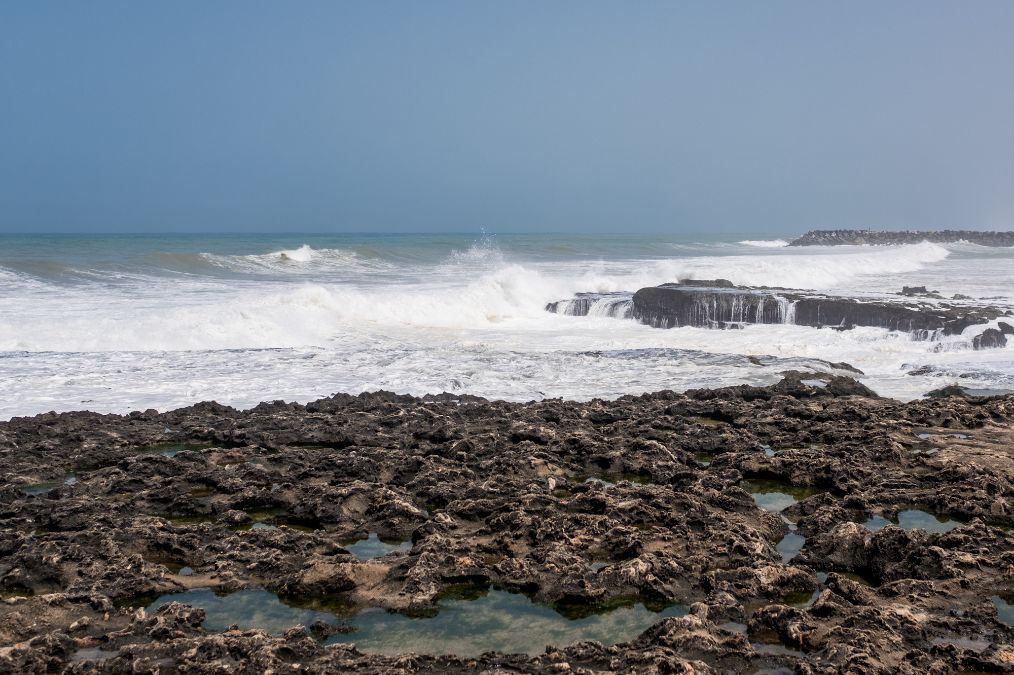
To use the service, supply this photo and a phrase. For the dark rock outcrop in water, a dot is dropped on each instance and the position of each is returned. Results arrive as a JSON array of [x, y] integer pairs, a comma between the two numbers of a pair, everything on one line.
[[583, 506], [991, 338], [884, 237], [719, 304]]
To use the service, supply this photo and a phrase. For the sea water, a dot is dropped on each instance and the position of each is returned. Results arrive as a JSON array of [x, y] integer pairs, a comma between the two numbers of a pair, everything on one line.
[[117, 323]]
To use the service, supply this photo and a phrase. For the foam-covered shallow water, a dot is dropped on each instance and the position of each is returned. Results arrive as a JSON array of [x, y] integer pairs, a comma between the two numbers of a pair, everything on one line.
[[121, 323]]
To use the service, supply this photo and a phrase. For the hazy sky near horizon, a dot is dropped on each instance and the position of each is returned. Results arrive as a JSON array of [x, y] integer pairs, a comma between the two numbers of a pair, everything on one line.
[[578, 116]]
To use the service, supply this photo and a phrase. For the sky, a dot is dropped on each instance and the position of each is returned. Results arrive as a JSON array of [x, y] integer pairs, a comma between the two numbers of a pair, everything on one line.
[[563, 116]]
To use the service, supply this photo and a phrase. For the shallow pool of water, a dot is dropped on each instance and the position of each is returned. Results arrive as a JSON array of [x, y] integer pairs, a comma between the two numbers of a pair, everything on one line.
[[708, 421], [776, 495], [36, 489], [92, 654], [374, 547], [930, 436], [467, 626], [601, 481], [973, 644], [496, 621], [1004, 608], [191, 519], [912, 519], [170, 449], [250, 608], [790, 545]]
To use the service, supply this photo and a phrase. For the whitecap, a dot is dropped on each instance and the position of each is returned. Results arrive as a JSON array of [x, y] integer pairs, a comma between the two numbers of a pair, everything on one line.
[[765, 243]]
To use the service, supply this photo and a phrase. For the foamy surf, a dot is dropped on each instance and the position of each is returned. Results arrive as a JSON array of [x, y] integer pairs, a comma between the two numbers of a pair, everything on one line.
[[240, 321], [300, 255], [765, 243]]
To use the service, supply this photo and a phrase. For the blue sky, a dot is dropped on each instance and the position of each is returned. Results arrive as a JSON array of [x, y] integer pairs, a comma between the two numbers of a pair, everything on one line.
[[513, 116]]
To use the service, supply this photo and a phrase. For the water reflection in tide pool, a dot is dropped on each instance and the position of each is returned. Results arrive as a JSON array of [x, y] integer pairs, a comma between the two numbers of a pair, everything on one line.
[[776, 495], [497, 621], [374, 547], [494, 621], [912, 519], [250, 608], [790, 546], [1004, 608]]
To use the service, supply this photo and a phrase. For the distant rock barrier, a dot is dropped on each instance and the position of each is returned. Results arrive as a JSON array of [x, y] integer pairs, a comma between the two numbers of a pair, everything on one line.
[[886, 238]]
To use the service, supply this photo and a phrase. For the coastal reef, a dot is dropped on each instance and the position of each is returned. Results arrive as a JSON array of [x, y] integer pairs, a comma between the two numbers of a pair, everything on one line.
[[807, 527], [886, 237]]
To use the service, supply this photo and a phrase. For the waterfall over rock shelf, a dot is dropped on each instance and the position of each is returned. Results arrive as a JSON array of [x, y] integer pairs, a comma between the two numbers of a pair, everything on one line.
[[613, 305], [720, 304]]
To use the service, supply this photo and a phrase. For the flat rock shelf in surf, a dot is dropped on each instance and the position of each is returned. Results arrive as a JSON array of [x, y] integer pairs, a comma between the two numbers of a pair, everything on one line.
[[720, 304]]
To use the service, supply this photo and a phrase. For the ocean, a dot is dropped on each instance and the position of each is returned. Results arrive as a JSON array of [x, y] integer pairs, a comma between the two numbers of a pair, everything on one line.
[[121, 323]]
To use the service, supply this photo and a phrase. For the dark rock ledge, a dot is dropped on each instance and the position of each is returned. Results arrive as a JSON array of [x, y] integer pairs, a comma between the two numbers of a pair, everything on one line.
[[498, 493], [720, 304], [885, 237]]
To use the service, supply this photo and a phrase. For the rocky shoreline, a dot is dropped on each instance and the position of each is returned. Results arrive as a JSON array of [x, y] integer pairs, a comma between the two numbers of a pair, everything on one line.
[[775, 524], [888, 238]]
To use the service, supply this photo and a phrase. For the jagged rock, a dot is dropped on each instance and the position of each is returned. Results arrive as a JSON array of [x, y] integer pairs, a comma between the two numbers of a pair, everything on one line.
[[582, 506], [991, 338], [955, 390]]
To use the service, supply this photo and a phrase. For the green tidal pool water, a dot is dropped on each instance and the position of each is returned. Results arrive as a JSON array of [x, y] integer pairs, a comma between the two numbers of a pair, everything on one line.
[[466, 625], [37, 489], [250, 608], [776, 495]]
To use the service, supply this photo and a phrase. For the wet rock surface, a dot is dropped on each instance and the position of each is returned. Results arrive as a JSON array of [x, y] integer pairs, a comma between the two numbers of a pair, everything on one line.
[[720, 304], [579, 506], [686, 304]]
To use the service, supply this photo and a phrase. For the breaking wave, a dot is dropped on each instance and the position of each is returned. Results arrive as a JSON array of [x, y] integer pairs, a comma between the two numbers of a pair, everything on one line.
[[485, 292], [765, 243], [825, 270], [299, 260]]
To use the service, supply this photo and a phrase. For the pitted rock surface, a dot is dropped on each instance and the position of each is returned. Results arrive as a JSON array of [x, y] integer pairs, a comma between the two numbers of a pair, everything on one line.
[[571, 503]]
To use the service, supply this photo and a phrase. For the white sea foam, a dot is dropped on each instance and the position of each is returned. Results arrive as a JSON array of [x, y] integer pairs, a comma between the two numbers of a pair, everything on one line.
[[765, 243], [324, 319], [303, 260], [302, 254], [822, 269], [184, 315]]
